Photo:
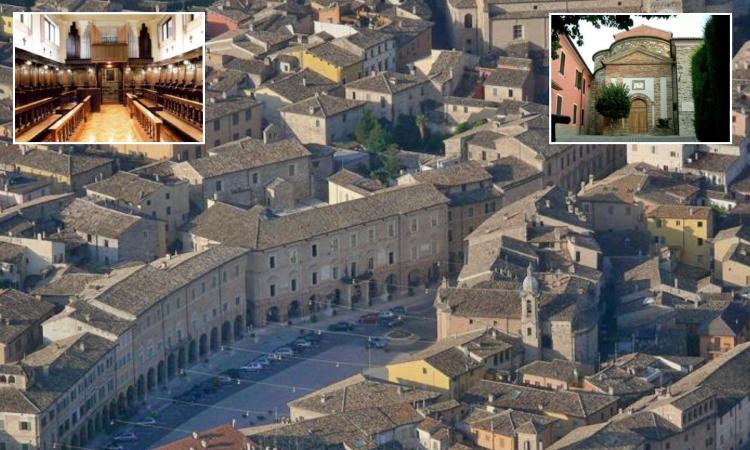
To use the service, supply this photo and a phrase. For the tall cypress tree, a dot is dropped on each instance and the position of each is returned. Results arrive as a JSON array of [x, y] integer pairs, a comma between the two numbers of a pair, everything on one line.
[[710, 76]]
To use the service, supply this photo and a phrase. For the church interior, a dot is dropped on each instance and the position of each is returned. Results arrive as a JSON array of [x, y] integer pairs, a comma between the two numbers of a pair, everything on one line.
[[108, 78]]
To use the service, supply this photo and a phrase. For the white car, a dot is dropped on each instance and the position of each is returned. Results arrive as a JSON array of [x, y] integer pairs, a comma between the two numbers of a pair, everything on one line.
[[127, 436], [387, 315], [284, 352], [252, 367], [148, 421]]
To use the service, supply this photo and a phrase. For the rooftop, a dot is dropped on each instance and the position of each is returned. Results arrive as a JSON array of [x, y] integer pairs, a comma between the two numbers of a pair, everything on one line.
[[323, 105], [18, 312]]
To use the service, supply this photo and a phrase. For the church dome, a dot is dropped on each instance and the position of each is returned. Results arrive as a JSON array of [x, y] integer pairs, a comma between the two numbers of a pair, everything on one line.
[[530, 284]]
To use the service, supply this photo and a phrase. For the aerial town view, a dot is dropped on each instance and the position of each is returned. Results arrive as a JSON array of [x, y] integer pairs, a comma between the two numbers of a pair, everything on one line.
[[342, 225]]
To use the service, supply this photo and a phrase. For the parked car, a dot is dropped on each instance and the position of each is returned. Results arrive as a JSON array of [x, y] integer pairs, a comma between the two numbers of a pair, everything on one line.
[[284, 352], [127, 436], [340, 326], [314, 336], [224, 379], [252, 367], [395, 322], [274, 357], [399, 310], [302, 343], [148, 421], [376, 342], [386, 315], [113, 446], [371, 318], [263, 360]]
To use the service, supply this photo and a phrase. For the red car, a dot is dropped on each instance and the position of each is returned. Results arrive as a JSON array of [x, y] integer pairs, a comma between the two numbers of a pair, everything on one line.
[[371, 318]]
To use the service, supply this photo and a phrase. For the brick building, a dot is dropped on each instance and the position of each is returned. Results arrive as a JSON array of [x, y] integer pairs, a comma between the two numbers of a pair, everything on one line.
[[655, 67]]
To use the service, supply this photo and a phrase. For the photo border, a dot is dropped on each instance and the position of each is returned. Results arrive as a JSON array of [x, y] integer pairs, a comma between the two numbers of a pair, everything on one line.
[[128, 13], [573, 142]]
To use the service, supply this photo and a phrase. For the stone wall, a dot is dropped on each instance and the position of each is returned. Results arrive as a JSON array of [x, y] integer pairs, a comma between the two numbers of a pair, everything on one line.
[[684, 93]]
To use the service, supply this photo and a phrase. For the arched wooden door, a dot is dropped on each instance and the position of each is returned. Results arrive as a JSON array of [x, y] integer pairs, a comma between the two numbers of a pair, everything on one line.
[[638, 116]]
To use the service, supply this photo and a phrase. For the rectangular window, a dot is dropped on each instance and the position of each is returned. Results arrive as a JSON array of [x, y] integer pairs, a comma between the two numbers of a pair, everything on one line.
[[558, 109], [562, 63], [314, 250], [272, 290], [315, 278], [293, 284], [167, 29], [272, 262], [575, 113], [579, 79], [517, 32]]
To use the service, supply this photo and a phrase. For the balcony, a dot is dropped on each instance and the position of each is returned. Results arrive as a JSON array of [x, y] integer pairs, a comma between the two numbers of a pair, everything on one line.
[[109, 52]]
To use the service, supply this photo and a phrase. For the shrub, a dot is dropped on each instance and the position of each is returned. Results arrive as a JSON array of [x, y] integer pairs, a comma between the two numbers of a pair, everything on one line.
[[613, 102]]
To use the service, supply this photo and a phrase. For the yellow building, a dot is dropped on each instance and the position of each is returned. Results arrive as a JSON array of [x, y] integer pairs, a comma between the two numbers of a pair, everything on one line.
[[333, 62], [684, 228], [731, 260], [454, 365], [6, 12]]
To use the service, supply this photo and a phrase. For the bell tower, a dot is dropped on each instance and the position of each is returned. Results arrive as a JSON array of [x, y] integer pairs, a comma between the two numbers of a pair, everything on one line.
[[530, 327]]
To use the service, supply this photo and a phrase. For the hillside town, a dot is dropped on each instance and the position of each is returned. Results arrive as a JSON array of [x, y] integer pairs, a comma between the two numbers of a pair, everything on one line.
[[377, 247]]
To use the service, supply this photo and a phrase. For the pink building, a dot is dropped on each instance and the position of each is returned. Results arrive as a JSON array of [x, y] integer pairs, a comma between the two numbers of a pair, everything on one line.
[[571, 82]]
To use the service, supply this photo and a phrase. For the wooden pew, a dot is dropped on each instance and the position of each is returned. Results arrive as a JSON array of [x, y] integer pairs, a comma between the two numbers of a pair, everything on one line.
[[64, 128], [33, 119], [186, 116], [146, 119], [150, 99]]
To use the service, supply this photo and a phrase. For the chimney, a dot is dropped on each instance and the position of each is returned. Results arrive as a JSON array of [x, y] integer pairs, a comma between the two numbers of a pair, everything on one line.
[[82, 346], [304, 80], [195, 435], [224, 95], [547, 203], [490, 398], [204, 444]]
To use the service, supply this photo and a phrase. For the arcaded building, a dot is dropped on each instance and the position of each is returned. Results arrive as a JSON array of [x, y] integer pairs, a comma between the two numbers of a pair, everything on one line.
[[655, 67]]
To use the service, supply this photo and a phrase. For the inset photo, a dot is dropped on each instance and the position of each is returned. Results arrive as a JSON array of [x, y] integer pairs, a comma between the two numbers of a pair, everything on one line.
[[640, 78], [108, 78]]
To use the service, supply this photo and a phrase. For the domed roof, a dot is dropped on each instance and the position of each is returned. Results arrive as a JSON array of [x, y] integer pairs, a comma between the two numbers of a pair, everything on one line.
[[643, 31], [530, 284]]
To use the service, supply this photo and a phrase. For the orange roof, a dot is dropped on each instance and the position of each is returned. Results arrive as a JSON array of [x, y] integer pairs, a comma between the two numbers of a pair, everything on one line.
[[643, 31], [223, 437]]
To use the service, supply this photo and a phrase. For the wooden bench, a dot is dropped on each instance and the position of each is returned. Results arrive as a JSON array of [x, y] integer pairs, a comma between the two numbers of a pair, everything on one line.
[[150, 123], [64, 128], [33, 119], [185, 116]]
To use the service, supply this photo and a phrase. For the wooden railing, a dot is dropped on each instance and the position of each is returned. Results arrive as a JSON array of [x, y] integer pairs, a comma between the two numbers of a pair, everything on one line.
[[32, 113], [151, 95], [64, 128], [25, 95], [146, 119], [187, 110]]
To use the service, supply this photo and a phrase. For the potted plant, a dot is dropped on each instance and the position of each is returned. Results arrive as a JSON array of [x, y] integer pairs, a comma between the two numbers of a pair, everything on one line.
[[613, 102]]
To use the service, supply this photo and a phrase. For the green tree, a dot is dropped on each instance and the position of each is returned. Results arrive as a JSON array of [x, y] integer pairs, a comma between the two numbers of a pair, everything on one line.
[[377, 141], [613, 102], [570, 25], [710, 75], [406, 132], [390, 162], [364, 127]]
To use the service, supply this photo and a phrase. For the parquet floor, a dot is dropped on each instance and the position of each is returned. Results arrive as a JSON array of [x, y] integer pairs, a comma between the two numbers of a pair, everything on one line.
[[113, 124]]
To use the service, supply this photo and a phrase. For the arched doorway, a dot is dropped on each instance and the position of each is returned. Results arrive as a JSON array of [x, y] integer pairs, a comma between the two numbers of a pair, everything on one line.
[[131, 396], [638, 116], [391, 283], [203, 347], [192, 352], [160, 373], [226, 332], [141, 387], [238, 327], [150, 379], [415, 278], [214, 339], [171, 366], [273, 314], [294, 310]]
